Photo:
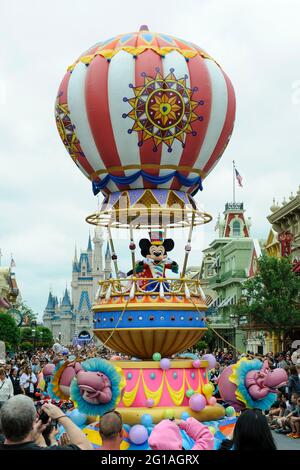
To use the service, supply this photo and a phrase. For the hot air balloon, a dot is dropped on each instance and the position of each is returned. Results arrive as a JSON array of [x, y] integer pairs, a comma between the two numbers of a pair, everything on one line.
[[146, 117], [145, 110]]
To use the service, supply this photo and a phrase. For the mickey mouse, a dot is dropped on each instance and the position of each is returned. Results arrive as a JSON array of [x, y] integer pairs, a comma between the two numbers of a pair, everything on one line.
[[156, 260]]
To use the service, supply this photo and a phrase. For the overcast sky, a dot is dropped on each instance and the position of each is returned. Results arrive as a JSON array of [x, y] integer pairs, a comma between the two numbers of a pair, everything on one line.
[[44, 198]]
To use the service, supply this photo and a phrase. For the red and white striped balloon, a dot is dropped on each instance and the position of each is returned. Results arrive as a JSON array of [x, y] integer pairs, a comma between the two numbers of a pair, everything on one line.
[[145, 101]]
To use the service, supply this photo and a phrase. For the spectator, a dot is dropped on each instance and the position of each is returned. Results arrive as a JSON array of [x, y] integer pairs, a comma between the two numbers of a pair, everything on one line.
[[15, 380], [298, 369], [275, 408], [36, 368], [111, 430], [214, 374], [296, 355], [294, 421], [294, 382], [281, 361], [23, 430], [251, 433], [28, 382], [166, 435], [284, 426], [288, 359], [6, 388]]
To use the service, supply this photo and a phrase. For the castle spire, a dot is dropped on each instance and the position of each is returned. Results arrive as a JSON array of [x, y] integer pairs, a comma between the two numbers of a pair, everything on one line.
[[75, 255], [89, 248], [50, 302], [66, 302]]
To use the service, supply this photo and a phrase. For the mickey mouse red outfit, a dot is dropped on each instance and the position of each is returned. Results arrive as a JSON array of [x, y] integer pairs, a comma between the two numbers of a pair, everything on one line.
[[156, 261]]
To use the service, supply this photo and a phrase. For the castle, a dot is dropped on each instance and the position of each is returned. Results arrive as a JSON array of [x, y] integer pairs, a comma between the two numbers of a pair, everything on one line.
[[72, 318]]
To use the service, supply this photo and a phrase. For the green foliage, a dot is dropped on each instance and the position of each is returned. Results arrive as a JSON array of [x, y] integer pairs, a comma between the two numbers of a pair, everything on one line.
[[201, 345], [270, 298], [9, 332], [25, 346], [43, 336], [27, 313]]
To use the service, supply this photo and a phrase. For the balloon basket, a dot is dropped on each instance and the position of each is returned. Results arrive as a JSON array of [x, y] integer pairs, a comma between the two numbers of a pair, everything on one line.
[[141, 316]]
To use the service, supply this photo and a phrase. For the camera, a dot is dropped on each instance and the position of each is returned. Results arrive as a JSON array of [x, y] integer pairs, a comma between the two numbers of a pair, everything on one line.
[[44, 417]]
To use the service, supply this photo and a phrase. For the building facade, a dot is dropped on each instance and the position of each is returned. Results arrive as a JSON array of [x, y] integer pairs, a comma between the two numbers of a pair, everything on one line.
[[72, 316], [285, 220], [228, 261]]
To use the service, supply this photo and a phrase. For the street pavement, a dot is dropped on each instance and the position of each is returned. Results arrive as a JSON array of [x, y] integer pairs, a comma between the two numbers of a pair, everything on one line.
[[285, 443]]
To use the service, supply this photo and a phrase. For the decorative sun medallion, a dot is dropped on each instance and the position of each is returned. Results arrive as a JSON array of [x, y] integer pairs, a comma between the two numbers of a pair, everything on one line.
[[66, 130], [163, 110]]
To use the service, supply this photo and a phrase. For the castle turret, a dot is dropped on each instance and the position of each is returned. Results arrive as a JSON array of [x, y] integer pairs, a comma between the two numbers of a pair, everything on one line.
[[75, 262], [97, 259], [65, 317], [98, 244], [90, 250], [49, 311]]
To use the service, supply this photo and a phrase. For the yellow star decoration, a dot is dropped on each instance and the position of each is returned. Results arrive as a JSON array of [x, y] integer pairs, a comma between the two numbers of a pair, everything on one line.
[[162, 110]]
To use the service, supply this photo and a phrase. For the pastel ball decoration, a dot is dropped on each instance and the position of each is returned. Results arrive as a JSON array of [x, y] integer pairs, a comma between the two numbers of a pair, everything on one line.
[[146, 420], [197, 402], [189, 392], [210, 358], [77, 417], [165, 364], [156, 356], [212, 401], [185, 415], [149, 402], [197, 363], [230, 411], [208, 389], [138, 434]]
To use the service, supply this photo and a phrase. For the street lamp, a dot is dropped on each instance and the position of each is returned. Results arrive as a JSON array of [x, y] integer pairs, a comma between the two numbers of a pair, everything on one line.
[[234, 324], [33, 331]]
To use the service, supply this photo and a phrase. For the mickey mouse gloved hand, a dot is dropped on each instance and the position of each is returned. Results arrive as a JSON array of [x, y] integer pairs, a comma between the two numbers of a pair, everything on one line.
[[139, 267], [174, 267]]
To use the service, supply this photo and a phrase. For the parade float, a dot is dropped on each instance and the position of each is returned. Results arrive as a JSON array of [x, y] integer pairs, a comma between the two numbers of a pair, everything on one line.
[[146, 117]]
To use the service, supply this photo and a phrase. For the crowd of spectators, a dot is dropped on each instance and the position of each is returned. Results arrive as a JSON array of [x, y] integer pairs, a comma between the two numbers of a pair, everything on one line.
[[23, 428]]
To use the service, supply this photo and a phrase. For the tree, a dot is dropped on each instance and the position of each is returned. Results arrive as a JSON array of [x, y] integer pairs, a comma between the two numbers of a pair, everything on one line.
[[9, 332], [271, 297], [27, 313], [42, 338]]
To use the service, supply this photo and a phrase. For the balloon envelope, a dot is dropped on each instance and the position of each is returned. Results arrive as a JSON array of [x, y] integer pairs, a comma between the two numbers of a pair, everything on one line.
[[145, 110]]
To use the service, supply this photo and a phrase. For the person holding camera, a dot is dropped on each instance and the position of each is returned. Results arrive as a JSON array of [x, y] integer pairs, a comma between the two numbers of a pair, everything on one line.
[[23, 429]]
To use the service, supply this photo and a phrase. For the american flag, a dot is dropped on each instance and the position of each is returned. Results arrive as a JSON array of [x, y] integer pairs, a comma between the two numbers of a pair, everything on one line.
[[239, 178]]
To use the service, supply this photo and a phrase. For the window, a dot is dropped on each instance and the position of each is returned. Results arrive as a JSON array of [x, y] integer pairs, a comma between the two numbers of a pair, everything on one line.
[[236, 229], [210, 270]]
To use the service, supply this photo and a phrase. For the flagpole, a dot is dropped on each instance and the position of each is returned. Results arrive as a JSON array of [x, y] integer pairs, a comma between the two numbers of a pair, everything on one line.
[[233, 180]]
